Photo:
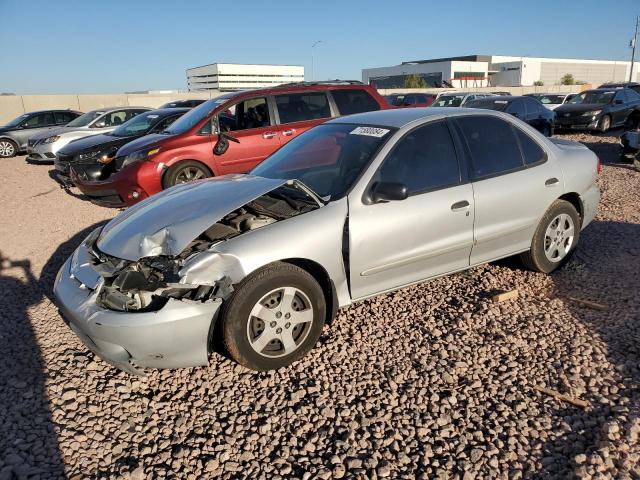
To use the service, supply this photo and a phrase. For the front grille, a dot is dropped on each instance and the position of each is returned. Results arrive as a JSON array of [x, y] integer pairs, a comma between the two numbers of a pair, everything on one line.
[[49, 155]]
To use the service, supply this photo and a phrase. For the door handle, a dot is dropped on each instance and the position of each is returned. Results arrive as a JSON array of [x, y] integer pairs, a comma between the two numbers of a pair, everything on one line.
[[268, 135], [288, 133], [461, 205], [551, 182]]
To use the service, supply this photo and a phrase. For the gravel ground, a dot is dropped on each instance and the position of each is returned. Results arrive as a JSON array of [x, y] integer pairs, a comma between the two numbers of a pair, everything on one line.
[[432, 381]]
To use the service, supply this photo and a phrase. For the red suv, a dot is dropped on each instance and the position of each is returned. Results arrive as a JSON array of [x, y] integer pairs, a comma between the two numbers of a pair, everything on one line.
[[231, 133]]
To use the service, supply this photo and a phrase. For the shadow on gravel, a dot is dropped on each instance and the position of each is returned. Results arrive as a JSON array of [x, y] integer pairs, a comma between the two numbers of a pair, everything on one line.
[[28, 441], [605, 270]]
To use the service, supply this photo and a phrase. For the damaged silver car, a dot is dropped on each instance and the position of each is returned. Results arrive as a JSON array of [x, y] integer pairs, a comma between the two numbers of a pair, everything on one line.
[[352, 208]]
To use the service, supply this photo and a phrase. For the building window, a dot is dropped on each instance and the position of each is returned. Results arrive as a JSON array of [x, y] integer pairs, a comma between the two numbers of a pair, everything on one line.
[[469, 75]]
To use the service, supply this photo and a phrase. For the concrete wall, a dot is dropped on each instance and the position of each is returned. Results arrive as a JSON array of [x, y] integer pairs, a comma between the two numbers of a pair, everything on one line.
[[13, 105]]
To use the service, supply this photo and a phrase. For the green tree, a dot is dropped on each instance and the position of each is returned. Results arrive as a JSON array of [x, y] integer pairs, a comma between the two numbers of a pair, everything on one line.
[[567, 79], [538, 83], [414, 81]]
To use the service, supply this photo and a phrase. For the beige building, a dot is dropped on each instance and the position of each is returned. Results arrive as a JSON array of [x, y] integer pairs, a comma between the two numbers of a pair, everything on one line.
[[234, 76]]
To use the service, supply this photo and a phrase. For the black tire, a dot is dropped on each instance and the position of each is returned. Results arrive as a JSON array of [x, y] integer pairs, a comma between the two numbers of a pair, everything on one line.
[[8, 148], [179, 173], [604, 124], [237, 323], [536, 258]]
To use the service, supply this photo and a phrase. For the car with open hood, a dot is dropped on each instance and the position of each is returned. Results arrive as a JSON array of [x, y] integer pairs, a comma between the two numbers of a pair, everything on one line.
[[598, 109], [92, 157], [16, 133], [43, 147], [352, 208], [231, 133]]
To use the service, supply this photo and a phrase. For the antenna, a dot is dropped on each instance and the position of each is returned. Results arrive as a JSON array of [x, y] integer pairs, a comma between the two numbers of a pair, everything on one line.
[[632, 44]]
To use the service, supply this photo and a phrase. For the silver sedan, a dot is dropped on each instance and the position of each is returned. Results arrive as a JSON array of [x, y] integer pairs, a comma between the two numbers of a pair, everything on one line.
[[355, 207]]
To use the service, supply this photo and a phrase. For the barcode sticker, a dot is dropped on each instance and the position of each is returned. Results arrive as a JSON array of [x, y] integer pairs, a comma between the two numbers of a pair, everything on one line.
[[369, 131]]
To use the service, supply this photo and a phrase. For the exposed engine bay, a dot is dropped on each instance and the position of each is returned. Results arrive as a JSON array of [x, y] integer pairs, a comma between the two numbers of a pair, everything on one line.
[[147, 284]]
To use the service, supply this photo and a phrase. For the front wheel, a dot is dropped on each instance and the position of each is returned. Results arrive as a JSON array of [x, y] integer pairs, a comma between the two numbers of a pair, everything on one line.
[[273, 318], [555, 238], [604, 124], [8, 148], [184, 172]]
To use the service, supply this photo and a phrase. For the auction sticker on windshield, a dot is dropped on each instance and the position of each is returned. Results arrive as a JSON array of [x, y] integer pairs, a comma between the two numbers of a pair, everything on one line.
[[369, 131]]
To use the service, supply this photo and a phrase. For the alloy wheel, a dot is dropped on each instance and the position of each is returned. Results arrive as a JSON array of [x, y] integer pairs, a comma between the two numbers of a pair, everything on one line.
[[7, 149], [558, 238], [280, 322], [188, 174]]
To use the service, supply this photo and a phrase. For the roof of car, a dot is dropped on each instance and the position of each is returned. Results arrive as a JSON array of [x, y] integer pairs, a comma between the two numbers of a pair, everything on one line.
[[400, 117], [52, 110], [168, 111]]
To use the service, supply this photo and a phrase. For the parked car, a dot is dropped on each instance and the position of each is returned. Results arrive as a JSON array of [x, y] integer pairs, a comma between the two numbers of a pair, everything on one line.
[[410, 99], [92, 157], [231, 133], [598, 109], [43, 147], [527, 109], [183, 103], [15, 134], [551, 100], [505, 94], [346, 211], [632, 85], [458, 99]]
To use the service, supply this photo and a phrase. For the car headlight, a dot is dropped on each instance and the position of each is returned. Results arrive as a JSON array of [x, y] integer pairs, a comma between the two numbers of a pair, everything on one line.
[[89, 155], [52, 139], [592, 113], [139, 156]]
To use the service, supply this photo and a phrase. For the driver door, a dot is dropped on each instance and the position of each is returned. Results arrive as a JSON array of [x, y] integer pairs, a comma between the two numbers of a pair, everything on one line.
[[430, 233], [251, 123]]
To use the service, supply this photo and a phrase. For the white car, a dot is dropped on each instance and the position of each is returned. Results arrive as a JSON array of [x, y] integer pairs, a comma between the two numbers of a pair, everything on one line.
[[43, 147], [458, 99], [552, 100]]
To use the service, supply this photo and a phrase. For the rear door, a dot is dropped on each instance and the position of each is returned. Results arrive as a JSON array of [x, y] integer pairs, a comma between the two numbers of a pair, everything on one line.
[[298, 112], [251, 122], [513, 183], [430, 233]]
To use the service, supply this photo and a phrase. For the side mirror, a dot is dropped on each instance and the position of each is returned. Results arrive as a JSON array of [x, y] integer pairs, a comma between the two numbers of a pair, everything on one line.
[[388, 191], [100, 124], [221, 146]]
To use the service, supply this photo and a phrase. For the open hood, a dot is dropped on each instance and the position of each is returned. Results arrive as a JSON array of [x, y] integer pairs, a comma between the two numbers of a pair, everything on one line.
[[167, 222]]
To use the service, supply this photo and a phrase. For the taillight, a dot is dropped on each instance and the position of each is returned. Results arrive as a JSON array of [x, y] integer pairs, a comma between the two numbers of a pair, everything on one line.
[[599, 167]]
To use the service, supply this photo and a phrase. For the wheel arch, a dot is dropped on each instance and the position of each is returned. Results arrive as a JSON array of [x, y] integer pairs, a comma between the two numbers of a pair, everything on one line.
[[319, 273], [574, 199], [177, 161]]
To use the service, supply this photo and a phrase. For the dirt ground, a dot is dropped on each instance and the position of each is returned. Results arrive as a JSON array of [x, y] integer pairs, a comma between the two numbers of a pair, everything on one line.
[[433, 381]]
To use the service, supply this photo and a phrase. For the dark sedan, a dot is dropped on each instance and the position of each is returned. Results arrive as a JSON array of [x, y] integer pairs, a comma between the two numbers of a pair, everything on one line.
[[598, 109], [527, 109], [91, 157], [183, 103]]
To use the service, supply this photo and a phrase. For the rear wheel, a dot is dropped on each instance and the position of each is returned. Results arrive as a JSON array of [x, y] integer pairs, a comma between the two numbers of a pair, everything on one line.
[[184, 172], [274, 317], [604, 124], [555, 239], [8, 148]]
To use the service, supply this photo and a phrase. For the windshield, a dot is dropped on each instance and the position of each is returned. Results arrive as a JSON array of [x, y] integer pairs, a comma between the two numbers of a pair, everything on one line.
[[17, 121], [499, 105], [448, 101], [593, 97], [195, 115], [138, 124], [549, 99], [328, 158], [86, 119]]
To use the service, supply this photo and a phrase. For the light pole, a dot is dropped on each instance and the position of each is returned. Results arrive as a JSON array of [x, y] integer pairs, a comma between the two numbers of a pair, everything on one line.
[[315, 44], [633, 49]]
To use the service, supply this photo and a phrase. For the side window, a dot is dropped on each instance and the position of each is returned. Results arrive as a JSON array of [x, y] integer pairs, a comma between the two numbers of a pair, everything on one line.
[[112, 119], [620, 96], [516, 108], [632, 95], [424, 159], [531, 151], [297, 107], [62, 118], [492, 145], [251, 113], [40, 120], [354, 101], [165, 122]]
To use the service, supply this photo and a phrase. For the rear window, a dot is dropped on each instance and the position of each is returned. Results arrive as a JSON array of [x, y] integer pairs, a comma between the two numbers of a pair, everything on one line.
[[354, 101], [531, 151]]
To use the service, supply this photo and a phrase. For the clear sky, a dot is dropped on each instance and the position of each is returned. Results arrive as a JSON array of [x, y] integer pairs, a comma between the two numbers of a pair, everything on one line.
[[91, 46]]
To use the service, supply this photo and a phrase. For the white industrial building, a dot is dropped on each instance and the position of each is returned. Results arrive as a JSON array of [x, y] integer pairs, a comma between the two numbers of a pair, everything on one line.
[[499, 70], [234, 76]]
